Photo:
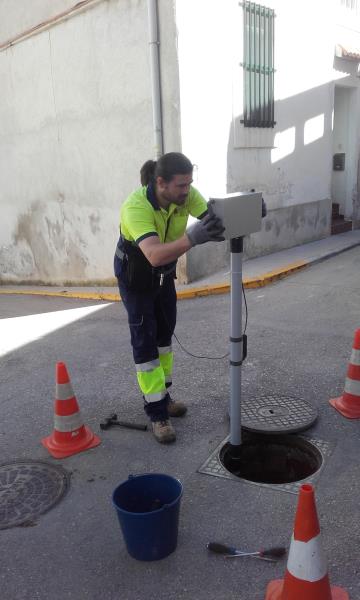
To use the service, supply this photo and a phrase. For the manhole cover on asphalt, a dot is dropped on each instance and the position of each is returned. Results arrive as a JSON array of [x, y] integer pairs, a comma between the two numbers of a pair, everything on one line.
[[29, 489], [277, 414]]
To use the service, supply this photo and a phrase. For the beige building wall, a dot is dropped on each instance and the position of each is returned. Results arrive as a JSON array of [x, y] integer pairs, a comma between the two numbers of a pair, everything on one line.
[[75, 128]]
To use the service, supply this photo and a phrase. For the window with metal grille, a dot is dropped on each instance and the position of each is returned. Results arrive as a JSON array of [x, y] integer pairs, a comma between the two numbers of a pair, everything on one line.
[[258, 65], [351, 4]]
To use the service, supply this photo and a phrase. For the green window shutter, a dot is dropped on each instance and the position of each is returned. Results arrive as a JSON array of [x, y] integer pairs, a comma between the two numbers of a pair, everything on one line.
[[258, 65]]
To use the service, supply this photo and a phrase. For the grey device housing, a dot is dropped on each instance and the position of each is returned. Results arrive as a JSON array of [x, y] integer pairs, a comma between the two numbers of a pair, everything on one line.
[[240, 213]]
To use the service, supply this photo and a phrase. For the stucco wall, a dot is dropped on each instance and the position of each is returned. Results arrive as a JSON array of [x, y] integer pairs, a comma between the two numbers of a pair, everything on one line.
[[283, 227], [290, 164], [76, 126], [16, 17], [289, 226]]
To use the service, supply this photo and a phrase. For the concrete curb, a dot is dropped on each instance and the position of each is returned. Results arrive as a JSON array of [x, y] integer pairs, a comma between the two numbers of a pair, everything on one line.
[[194, 292]]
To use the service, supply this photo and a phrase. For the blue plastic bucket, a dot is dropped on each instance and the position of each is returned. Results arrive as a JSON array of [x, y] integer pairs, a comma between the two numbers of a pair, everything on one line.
[[148, 509]]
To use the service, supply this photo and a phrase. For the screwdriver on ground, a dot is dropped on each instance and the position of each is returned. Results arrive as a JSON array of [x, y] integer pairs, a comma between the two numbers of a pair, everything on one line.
[[270, 554]]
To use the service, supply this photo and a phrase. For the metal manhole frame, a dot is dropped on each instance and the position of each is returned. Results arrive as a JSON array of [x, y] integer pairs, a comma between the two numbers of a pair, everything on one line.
[[213, 466], [65, 477]]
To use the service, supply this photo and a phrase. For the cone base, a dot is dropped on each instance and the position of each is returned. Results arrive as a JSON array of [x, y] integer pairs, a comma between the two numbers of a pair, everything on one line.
[[275, 588], [342, 408], [90, 440]]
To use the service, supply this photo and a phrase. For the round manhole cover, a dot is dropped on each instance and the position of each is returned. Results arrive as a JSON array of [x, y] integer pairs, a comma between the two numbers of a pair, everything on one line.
[[277, 414], [29, 489]]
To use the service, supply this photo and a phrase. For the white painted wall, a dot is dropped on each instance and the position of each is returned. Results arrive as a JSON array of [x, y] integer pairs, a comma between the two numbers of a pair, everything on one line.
[[292, 163], [76, 122], [18, 16], [281, 162], [75, 128]]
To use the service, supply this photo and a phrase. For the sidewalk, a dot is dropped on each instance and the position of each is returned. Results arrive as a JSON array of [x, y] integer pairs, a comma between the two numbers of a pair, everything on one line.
[[257, 272]]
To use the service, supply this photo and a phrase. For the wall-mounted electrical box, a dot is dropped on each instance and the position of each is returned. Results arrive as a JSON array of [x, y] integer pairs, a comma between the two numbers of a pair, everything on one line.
[[339, 162], [239, 212]]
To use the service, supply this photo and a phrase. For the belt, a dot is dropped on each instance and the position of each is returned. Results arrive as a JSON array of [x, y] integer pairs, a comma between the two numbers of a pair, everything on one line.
[[159, 270], [167, 271]]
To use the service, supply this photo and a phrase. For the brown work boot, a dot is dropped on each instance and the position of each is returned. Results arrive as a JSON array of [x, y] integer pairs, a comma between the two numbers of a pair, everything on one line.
[[176, 408], [163, 431]]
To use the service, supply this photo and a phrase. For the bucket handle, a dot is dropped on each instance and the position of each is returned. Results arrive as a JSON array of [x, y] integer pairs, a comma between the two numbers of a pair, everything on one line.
[[131, 476]]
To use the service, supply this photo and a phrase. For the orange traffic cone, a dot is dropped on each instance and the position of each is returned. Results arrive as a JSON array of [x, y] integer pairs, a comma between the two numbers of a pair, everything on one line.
[[349, 403], [306, 575], [70, 435]]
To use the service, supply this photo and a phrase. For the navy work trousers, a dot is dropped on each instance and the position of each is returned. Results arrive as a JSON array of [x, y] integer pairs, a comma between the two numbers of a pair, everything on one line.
[[151, 318]]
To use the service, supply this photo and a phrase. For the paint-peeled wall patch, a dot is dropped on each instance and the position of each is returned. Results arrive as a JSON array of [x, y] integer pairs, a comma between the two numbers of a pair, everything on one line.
[[49, 243]]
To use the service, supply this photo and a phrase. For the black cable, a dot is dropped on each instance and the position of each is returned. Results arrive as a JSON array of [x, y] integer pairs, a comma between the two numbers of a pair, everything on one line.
[[209, 357], [183, 347], [197, 355], [246, 308]]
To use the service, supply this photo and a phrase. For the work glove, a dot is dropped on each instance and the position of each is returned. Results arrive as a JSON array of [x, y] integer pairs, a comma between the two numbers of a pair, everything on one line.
[[209, 229]]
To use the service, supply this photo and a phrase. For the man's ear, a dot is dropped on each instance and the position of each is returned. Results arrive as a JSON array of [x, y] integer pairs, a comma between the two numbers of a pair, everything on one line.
[[160, 182]]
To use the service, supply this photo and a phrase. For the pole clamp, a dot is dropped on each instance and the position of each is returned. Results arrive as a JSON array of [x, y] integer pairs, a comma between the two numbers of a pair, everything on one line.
[[242, 339]]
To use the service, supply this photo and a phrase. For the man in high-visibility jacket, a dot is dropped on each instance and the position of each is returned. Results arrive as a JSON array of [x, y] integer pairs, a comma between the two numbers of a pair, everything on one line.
[[153, 235]]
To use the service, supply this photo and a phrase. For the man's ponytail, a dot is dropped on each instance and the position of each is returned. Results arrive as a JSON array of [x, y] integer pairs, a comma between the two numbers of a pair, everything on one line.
[[147, 172]]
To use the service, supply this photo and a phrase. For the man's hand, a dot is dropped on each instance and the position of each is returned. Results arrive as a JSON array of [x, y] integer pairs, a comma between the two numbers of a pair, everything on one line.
[[209, 229]]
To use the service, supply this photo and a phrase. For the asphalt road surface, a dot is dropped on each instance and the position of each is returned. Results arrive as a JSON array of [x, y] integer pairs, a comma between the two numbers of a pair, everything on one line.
[[300, 332]]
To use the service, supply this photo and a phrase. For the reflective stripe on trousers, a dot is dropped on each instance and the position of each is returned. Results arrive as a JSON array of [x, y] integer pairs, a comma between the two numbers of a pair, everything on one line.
[[155, 376], [151, 380], [167, 360]]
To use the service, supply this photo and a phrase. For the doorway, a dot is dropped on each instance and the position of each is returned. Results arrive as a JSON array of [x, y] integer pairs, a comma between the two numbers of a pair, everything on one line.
[[344, 171]]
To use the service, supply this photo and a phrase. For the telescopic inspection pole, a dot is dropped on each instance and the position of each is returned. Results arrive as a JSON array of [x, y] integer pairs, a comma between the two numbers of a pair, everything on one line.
[[241, 214], [238, 340]]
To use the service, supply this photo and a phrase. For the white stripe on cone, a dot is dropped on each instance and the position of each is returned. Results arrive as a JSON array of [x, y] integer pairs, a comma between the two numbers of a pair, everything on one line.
[[64, 391], [306, 560], [68, 423], [355, 357], [352, 386]]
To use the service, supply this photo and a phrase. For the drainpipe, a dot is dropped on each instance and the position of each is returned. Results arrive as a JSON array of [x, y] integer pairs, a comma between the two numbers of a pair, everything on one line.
[[154, 44]]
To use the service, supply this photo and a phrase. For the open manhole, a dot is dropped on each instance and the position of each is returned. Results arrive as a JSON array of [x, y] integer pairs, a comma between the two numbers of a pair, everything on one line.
[[276, 459], [29, 489], [214, 466]]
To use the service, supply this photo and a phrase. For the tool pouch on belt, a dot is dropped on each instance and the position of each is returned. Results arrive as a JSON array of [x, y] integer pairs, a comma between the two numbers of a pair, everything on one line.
[[134, 270], [140, 274]]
